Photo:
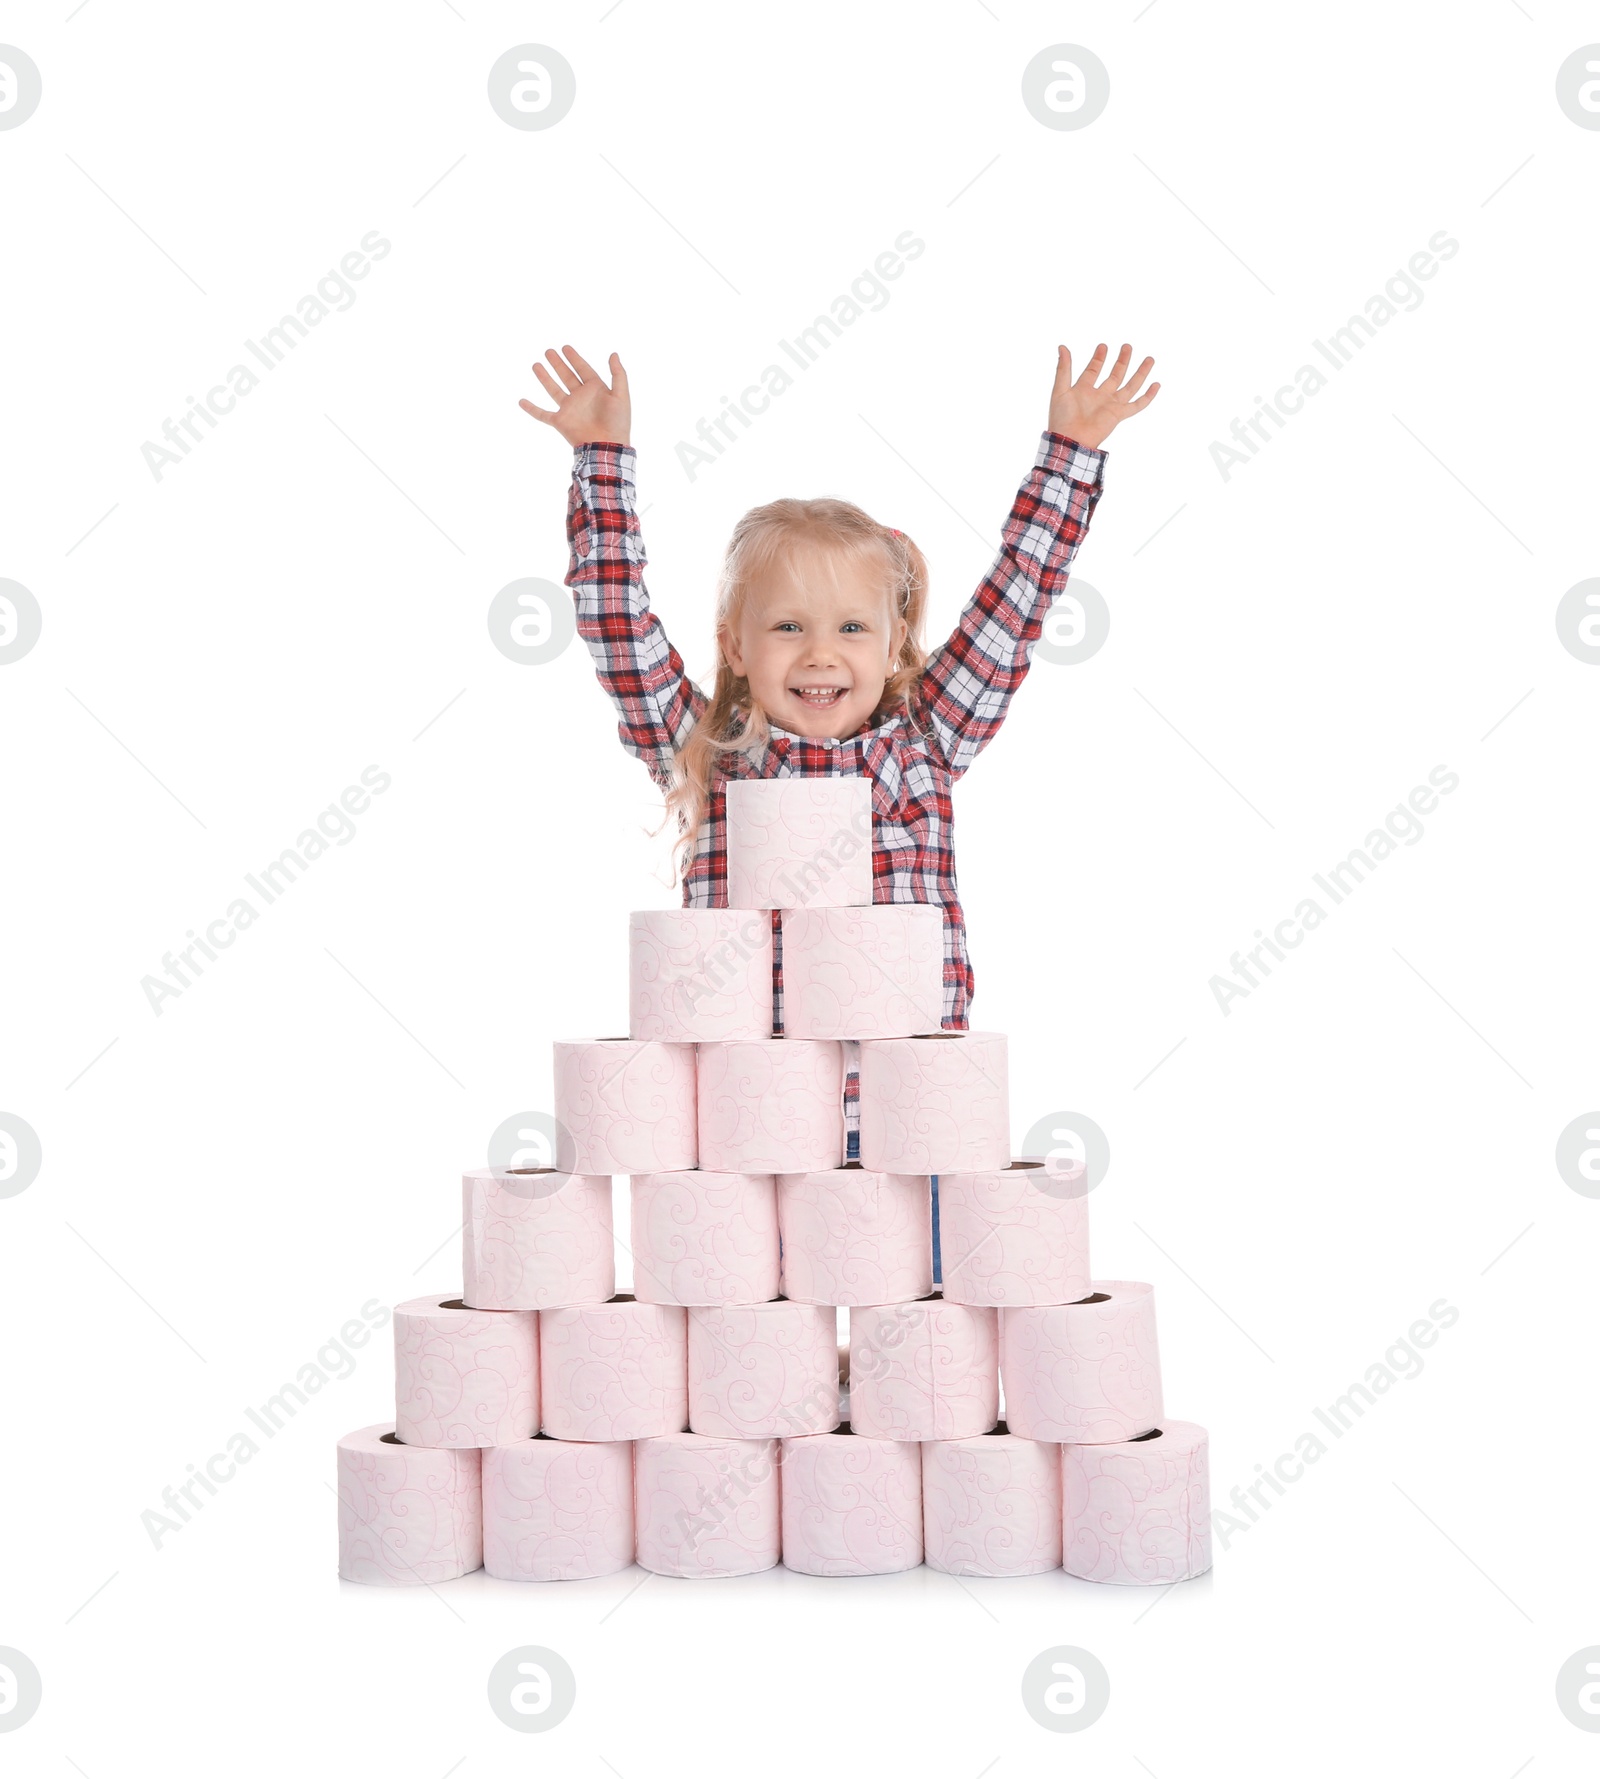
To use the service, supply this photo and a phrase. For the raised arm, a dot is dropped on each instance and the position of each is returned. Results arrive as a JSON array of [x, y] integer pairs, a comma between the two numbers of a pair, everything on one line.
[[970, 680], [657, 703]]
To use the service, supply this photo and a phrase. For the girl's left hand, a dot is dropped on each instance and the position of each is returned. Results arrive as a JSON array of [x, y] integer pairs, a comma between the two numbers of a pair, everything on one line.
[[1080, 410]]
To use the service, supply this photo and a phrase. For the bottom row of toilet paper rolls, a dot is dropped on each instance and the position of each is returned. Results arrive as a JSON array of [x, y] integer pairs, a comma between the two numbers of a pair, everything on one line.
[[688, 1504]]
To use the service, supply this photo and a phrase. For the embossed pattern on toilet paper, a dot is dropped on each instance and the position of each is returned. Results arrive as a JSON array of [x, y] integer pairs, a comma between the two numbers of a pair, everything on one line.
[[992, 1505], [526, 1248], [851, 1505], [853, 1236], [1004, 1239], [863, 972], [935, 1105], [697, 973], [923, 1370], [613, 1371], [763, 1370], [1138, 1511], [1084, 1373], [628, 1105], [704, 1237], [771, 1104], [706, 1507], [407, 1514], [464, 1377], [557, 1510], [799, 842]]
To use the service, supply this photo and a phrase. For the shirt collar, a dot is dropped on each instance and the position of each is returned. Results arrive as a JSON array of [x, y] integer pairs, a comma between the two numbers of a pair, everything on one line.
[[790, 736]]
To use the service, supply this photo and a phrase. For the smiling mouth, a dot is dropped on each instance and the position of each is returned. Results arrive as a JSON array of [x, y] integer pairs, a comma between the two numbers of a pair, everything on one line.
[[818, 697]]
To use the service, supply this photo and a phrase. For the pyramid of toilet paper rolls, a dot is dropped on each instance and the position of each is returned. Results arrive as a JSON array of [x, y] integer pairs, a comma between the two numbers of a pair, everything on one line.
[[708, 1423]]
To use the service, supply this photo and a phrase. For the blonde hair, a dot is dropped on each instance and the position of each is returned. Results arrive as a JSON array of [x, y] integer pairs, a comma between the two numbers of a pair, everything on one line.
[[732, 721]]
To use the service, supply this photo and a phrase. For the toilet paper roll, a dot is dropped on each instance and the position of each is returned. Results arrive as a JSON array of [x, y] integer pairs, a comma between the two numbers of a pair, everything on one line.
[[464, 1377], [1017, 1235], [935, 1103], [1084, 1373], [992, 1505], [407, 1513], [767, 1104], [853, 1236], [534, 1238], [627, 1104], [706, 1507], [799, 842], [851, 1505], [696, 973], [557, 1510], [763, 1370], [613, 1370], [1139, 1510], [863, 972], [924, 1370], [704, 1237]]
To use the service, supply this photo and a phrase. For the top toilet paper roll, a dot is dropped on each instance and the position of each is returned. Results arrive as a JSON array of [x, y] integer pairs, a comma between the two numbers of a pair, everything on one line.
[[935, 1103], [697, 973], [626, 1104], [799, 842], [863, 972], [1083, 1373]]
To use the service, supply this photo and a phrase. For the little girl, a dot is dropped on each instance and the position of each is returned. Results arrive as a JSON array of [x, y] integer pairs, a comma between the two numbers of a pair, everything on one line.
[[821, 670]]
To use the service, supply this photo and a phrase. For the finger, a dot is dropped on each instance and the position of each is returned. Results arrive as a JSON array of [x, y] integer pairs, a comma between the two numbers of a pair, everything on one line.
[[619, 377], [1092, 369], [570, 379], [538, 413], [1131, 387], [585, 370], [1119, 369], [549, 385], [1144, 400]]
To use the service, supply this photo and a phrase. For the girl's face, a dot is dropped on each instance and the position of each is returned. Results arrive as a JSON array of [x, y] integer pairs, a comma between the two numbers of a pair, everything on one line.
[[817, 643]]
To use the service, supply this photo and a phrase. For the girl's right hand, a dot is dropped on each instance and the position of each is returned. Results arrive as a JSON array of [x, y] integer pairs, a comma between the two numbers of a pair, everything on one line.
[[587, 410]]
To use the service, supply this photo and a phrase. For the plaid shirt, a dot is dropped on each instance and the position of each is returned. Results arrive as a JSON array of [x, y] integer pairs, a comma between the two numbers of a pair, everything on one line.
[[912, 757]]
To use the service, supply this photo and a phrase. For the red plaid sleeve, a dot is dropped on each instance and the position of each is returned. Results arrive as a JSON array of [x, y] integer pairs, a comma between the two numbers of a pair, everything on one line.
[[657, 703], [970, 680]]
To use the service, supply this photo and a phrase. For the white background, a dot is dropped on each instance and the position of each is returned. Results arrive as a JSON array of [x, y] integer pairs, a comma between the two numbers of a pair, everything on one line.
[[1292, 650]]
